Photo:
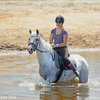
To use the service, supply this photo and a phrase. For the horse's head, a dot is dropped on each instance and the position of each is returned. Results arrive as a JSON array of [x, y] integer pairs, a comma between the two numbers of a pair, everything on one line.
[[33, 41]]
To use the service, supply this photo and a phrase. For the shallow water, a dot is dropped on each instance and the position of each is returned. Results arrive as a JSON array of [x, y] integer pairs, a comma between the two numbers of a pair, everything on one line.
[[19, 79]]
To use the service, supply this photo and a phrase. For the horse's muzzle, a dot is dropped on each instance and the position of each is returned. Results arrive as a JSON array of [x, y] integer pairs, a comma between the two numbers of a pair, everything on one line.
[[30, 49]]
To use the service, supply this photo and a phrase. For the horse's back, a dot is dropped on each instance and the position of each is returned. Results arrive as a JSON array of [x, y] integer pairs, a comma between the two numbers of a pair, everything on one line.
[[80, 61], [82, 66], [78, 58]]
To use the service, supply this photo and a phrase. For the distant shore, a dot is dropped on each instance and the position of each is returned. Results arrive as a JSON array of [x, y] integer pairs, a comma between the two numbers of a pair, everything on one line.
[[24, 52], [82, 21]]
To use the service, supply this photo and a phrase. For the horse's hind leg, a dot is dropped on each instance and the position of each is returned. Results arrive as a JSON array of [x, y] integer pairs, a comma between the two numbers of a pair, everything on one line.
[[84, 73]]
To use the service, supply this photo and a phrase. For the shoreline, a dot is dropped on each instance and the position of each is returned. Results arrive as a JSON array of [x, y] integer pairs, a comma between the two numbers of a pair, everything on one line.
[[25, 52]]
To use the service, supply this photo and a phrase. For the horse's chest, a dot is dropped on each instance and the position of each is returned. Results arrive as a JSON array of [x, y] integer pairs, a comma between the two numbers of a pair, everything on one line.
[[44, 71]]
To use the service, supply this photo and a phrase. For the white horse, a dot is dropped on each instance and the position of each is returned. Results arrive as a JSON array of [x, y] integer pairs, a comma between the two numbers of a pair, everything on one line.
[[47, 67]]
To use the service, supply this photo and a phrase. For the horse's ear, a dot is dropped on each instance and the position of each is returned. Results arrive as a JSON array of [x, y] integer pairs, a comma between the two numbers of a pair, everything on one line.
[[37, 31], [30, 31]]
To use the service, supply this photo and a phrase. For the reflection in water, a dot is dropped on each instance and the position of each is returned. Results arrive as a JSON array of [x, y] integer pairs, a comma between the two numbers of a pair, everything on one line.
[[71, 92], [16, 71]]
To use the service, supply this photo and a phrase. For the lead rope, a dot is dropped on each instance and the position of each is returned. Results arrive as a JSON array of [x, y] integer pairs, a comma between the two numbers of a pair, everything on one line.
[[33, 71]]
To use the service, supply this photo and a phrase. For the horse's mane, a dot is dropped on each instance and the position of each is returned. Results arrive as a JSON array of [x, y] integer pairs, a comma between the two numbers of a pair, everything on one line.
[[46, 44]]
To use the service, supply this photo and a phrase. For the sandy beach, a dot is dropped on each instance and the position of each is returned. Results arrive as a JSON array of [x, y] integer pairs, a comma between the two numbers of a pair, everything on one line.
[[82, 21]]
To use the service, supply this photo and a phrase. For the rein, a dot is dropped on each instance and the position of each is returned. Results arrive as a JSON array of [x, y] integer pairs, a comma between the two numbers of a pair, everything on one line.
[[53, 58], [42, 51]]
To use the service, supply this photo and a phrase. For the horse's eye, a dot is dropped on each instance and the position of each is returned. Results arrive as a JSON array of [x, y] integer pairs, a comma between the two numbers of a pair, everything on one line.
[[36, 39]]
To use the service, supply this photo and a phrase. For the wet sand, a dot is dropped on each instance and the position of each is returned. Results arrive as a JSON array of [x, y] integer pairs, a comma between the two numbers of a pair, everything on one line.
[[82, 21]]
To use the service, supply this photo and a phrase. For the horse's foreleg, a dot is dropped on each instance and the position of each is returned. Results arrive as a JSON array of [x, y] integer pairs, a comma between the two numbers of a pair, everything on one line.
[[49, 80]]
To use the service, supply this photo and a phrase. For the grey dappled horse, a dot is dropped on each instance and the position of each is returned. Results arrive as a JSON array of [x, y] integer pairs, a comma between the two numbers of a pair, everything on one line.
[[47, 67]]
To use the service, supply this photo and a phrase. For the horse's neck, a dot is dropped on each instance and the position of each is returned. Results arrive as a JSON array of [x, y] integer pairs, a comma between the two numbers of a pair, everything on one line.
[[42, 46], [42, 56]]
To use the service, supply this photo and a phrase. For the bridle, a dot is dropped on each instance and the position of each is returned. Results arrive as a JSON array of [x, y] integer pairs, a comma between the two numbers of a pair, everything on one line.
[[36, 45], [33, 44]]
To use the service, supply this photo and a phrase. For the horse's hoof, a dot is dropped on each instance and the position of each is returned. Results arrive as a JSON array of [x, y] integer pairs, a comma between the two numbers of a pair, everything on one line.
[[47, 84], [76, 80]]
